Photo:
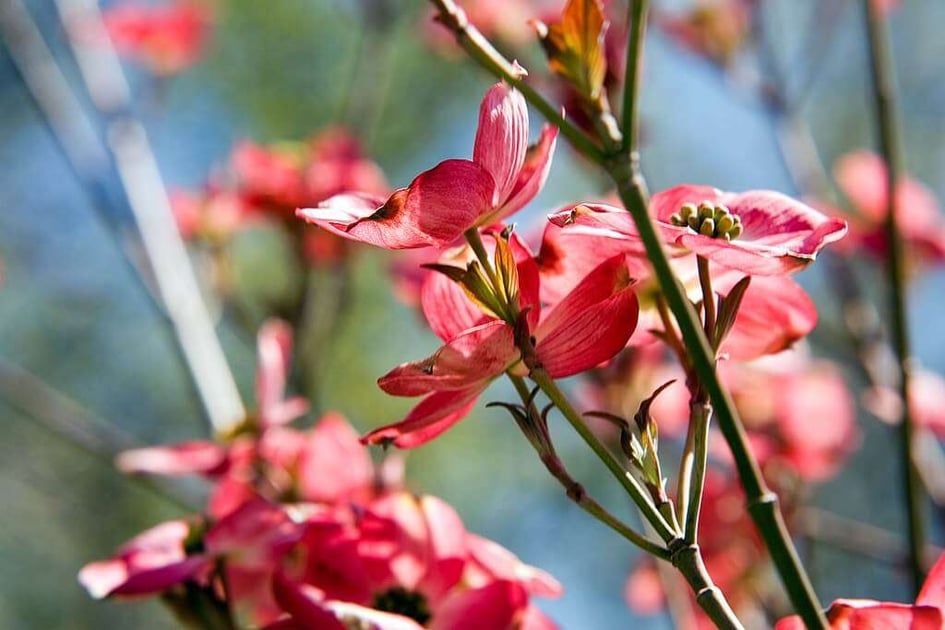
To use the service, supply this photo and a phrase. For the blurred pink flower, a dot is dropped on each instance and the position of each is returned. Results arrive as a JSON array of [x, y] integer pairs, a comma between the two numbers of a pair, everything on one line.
[[861, 176], [408, 562], [166, 38], [713, 29]]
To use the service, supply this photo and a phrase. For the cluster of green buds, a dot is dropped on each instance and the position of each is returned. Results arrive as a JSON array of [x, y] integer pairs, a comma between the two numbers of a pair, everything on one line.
[[708, 219]]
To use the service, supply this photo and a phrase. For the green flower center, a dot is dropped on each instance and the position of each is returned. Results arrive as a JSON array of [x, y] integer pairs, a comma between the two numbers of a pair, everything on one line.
[[400, 601], [708, 219]]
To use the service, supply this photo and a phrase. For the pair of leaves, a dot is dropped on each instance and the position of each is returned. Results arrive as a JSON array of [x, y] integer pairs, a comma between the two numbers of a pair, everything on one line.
[[575, 46]]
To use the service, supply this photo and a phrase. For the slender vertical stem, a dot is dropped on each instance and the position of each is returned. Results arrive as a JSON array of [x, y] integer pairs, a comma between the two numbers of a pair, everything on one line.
[[633, 73], [708, 297], [887, 121]]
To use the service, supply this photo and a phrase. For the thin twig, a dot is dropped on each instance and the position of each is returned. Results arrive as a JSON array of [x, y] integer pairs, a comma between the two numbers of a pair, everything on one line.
[[887, 121]]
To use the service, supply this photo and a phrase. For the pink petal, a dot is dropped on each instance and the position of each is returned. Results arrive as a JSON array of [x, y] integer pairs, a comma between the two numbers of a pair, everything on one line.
[[257, 534], [435, 414], [334, 464], [304, 604], [96, 577], [569, 251], [780, 235], [933, 591], [531, 177], [447, 308], [852, 614], [430, 540], [470, 359], [775, 313], [591, 324], [274, 350], [815, 448], [497, 562], [151, 562], [186, 458], [496, 606], [447, 544], [285, 412], [437, 207], [502, 138]]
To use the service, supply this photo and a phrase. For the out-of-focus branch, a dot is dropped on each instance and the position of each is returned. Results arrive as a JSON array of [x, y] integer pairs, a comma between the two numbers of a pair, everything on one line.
[[68, 420], [856, 537], [887, 122], [137, 168]]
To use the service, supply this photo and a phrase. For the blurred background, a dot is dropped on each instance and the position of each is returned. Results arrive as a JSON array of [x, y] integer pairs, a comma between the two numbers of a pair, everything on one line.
[[75, 318]]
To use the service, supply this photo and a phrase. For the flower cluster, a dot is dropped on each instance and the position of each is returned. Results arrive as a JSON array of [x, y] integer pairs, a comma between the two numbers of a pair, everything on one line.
[[269, 182], [303, 530]]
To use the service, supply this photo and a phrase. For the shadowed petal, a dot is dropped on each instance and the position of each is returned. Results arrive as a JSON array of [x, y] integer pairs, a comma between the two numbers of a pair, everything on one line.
[[437, 207], [532, 176], [471, 358], [569, 251], [591, 324], [435, 414], [775, 313], [446, 307]]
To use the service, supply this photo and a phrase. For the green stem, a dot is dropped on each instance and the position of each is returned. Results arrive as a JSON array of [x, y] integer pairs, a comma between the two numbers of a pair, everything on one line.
[[576, 492], [684, 478], [485, 54], [688, 560], [633, 75], [479, 249], [699, 422], [708, 297], [629, 483], [887, 121]]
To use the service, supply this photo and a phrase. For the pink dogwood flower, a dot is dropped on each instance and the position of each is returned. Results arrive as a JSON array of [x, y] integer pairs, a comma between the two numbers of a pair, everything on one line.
[[445, 201], [756, 232], [586, 328], [167, 38], [861, 176], [928, 612], [775, 311]]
